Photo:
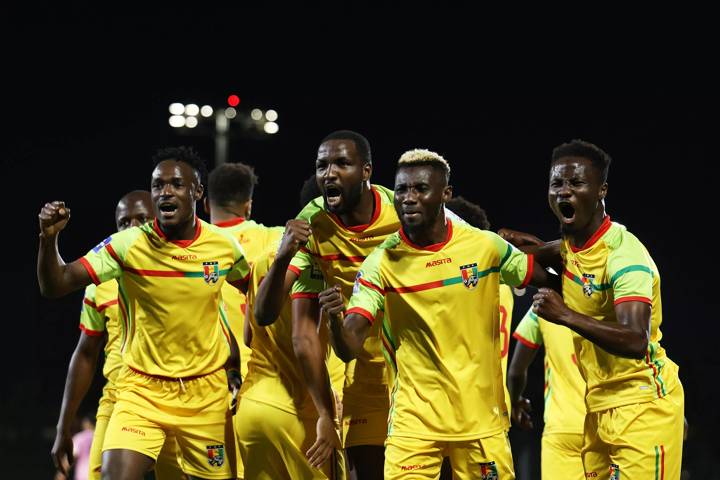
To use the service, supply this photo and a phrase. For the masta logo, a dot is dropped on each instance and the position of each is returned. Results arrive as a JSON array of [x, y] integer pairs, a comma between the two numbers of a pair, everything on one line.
[[100, 245], [211, 272], [216, 455], [469, 275]]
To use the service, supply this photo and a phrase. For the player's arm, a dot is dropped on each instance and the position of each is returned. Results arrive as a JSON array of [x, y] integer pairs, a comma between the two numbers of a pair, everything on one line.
[[348, 332], [56, 278], [546, 254], [79, 378], [628, 337], [278, 282], [522, 357], [247, 329], [311, 352]]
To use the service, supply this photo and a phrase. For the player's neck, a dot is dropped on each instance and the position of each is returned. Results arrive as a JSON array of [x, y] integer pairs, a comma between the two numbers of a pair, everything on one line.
[[183, 231], [223, 215], [433, 234], [362, 214], [580, 238]]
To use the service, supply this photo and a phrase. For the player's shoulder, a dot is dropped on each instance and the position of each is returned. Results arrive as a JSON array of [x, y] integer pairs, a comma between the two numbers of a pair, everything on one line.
[[618, 239], [387, 195]]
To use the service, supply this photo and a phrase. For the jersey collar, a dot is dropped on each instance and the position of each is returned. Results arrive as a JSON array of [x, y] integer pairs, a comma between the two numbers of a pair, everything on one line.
[[435, 247], [179, 243], [375, 215], [604, 227], [230, 223]]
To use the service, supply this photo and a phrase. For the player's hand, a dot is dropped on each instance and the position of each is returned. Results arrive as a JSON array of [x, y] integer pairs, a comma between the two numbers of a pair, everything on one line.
[[327, 440], [521, 414], [519, 239], [548, 304], [62, 452], [331, 301], [234, 381], [53, 217], [296, 235]]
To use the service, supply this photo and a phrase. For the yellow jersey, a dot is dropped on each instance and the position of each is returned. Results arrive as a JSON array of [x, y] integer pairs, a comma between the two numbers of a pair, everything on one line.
[[611, 268], [274, 374], [440, 329], [564, 387], [255, 239], [169, 296], [507, 301], [339, 250], [100, 314]]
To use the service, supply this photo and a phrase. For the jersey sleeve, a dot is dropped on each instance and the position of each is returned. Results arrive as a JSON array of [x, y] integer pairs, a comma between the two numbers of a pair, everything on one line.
[[528, 331], [106, 260], [515, 266], [240, 270], [309, 283], [92, 320], [631, 272], [301, 261], [368, 297]]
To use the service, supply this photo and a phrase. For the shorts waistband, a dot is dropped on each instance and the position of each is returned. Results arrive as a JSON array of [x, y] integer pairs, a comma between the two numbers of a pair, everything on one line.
[[174, 379]]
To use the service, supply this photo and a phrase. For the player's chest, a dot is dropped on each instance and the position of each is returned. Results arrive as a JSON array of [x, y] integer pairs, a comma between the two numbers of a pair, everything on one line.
[[586, 284]]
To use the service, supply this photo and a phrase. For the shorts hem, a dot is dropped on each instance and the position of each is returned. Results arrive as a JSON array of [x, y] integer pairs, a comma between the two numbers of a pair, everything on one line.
[[134, 449]]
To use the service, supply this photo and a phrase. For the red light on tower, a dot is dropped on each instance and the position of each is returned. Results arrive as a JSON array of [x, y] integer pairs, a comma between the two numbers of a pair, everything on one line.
[[233, 100]]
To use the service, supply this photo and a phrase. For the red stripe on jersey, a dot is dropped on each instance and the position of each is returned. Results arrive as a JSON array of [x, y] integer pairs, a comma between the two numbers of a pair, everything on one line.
[[294, 269], [371, 285], [633, 299], [530, 268], [604, 227], [363, 312], [90, 270], [525, 341], [304, 295], [416, 288], [114, 255], [91, 333], [435, 247], [105, 305]]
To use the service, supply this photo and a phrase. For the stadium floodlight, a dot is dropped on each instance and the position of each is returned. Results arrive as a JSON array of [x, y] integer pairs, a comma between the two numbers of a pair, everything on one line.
[[191, 122], [230, 113], [271, 115], [256, 114], [177, 108], [177, 121], [206, 111], [191, 110], [271, 128]]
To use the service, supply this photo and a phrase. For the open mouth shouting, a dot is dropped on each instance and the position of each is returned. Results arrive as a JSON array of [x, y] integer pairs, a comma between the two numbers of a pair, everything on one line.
[[167, 209], [333, 195], [567, 211]]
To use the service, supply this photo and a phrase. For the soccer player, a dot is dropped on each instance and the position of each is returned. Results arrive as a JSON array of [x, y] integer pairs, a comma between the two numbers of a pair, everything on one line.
[[611, 301], [100, 323], [437, 282], [564, 411], [337, 231], [174, 342], [229, 204], [287, 427]]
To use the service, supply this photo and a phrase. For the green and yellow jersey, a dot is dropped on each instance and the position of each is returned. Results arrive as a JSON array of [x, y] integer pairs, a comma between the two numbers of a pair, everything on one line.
[[169, 296], [100, 314], [438, 311], [611, 268], [507, 301], [564, 387]]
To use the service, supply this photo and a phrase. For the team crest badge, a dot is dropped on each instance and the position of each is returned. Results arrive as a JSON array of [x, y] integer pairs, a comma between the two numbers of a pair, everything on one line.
[[216, 455], [587, 279], [614, 472], [488, 471], [100, 245], [211, 272], [469, 275]]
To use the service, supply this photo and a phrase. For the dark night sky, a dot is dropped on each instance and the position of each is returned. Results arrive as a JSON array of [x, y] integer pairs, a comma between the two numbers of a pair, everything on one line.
[[83, 129]]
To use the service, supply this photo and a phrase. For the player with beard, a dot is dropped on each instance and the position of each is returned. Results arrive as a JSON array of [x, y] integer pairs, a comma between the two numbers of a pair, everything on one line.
[[336, 232]]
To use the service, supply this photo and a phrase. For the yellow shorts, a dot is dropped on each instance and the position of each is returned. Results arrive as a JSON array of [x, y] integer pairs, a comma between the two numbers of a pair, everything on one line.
[[643, 440], [561, 456], [363, 425], [273, 443], [336, 369], [196, 411], [487, 458], [102, 417]]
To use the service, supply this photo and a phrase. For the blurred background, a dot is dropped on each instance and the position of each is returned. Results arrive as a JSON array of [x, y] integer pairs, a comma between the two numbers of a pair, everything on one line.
[[82, 126]]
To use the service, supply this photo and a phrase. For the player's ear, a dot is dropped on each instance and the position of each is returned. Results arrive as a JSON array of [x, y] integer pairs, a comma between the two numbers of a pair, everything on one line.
[[447, 193], [603, 191], [367, 172]]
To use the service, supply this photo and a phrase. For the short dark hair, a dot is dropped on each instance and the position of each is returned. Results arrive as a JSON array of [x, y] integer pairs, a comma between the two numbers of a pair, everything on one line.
[[309, 191], [231, 183], [472, 213], [183, 154], [361, 143], [580, 148]]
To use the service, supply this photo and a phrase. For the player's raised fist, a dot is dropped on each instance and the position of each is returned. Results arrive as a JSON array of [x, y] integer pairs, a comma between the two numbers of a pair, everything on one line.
[[296, 235], [53, 217]]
